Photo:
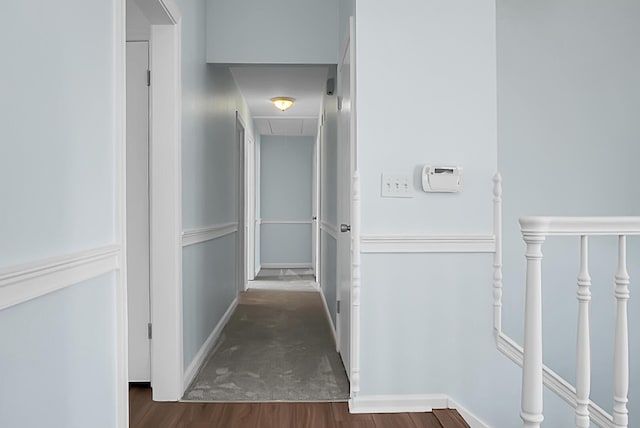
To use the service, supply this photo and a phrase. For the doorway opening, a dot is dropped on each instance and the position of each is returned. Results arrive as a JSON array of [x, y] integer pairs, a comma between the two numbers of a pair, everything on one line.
[[280, 342], [154, 208]]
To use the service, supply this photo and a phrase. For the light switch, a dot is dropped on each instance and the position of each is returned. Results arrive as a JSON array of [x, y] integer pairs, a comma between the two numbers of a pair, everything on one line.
[[396, 186]]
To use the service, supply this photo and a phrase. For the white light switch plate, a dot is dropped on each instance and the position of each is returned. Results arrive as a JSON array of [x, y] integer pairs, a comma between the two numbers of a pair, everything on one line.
[[396, 186]]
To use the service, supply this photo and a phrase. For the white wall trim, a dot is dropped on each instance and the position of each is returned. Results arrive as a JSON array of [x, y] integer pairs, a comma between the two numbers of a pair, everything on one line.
[[331, 229], [165, 163], [203, 234], [553, 381], [286, 221], [397, 403], [411, 403], [472, 420], [199, 359], [326, 309], [29, 281], [287, 265], [427, 244], [120, 256]]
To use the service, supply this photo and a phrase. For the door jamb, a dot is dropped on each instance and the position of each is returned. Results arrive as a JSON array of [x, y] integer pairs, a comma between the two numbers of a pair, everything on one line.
[[242, 252], [165, 193]]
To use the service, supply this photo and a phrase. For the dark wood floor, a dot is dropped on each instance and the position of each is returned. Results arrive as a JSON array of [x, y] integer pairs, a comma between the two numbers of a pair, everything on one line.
[[145, 413]]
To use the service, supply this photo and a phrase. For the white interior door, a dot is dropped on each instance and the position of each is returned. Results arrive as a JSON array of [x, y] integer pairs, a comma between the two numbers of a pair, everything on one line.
[[345, 173], [315, 210], [242, 206], [138, 210]]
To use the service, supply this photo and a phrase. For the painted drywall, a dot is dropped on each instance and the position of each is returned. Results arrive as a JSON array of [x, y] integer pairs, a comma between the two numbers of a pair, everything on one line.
[[447, 92], [346, 9], [209, 180], [286, 180], [58, 356], [427, 318], [138, 26], [58, 181], [57, 153], [275, 32], [569, 98], [208, 288]]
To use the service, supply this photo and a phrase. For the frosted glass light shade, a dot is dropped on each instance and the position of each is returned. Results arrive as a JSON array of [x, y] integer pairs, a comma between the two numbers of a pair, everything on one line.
[[282, 103]]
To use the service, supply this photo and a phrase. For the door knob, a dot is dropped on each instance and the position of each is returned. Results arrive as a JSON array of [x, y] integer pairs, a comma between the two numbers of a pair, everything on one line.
[[345, 227]]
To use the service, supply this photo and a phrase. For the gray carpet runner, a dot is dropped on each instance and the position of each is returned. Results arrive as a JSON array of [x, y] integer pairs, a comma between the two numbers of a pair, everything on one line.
[[277, 346]]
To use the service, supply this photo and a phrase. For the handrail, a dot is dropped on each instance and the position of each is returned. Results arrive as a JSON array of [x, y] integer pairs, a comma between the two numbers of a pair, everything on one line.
[[575, 226], [534, 232]]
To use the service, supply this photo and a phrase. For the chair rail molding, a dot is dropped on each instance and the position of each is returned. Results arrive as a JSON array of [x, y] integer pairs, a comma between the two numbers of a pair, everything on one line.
[[29, 281], [204, 234], [428, 244]]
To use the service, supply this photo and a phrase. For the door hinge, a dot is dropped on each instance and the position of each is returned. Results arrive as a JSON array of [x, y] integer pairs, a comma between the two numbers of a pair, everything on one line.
[[148, 77], [338, 307], [149, 331]]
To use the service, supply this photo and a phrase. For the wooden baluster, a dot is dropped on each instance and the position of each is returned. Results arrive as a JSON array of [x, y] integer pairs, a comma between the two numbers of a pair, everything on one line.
[[532, 362], [497, 257], [583, 346], [621, 351]]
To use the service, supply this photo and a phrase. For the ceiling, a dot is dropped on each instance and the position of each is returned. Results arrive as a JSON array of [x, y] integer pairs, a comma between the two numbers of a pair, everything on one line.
[[307, 84]]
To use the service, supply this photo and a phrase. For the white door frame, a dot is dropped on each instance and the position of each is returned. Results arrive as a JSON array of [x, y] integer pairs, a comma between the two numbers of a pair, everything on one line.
[[165, 179], [355, 221], [315, 206], [242, 246], [251, 207], [354, 320]]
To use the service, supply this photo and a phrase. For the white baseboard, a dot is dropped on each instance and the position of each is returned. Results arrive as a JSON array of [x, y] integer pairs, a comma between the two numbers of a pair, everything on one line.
[[286, 266], [326, 308], [411, 403], [397, 403], [191, 371], [472, 420]]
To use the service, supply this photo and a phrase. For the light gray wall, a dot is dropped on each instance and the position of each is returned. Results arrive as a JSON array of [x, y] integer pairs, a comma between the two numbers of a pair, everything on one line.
[[286, 180], [57, 187], [209, 180], [57, 151], [346, 9], [427, 318], [276, 32], [569, 97], [138, 26], [58, 354]]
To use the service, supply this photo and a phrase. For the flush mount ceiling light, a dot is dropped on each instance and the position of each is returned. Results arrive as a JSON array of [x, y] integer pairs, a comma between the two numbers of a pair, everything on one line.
[[282, 103]]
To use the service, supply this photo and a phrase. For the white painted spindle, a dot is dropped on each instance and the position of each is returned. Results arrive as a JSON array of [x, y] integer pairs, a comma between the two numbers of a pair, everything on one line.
[[621, 351], [497, 257], [532, 362], [583, 346]]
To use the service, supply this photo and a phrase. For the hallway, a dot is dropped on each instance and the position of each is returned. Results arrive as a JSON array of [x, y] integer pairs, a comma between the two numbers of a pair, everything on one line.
[[277, 346]]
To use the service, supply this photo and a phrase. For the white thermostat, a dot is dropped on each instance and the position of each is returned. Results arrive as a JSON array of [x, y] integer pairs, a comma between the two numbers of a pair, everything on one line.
[[442, 178]]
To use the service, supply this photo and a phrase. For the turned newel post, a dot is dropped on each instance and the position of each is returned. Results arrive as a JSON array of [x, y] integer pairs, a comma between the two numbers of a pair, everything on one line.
[[583, 344], [532, 363], [621, 351]]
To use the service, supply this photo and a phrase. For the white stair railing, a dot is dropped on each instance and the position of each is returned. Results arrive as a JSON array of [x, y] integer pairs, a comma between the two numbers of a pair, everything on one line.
[[534, 232]]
